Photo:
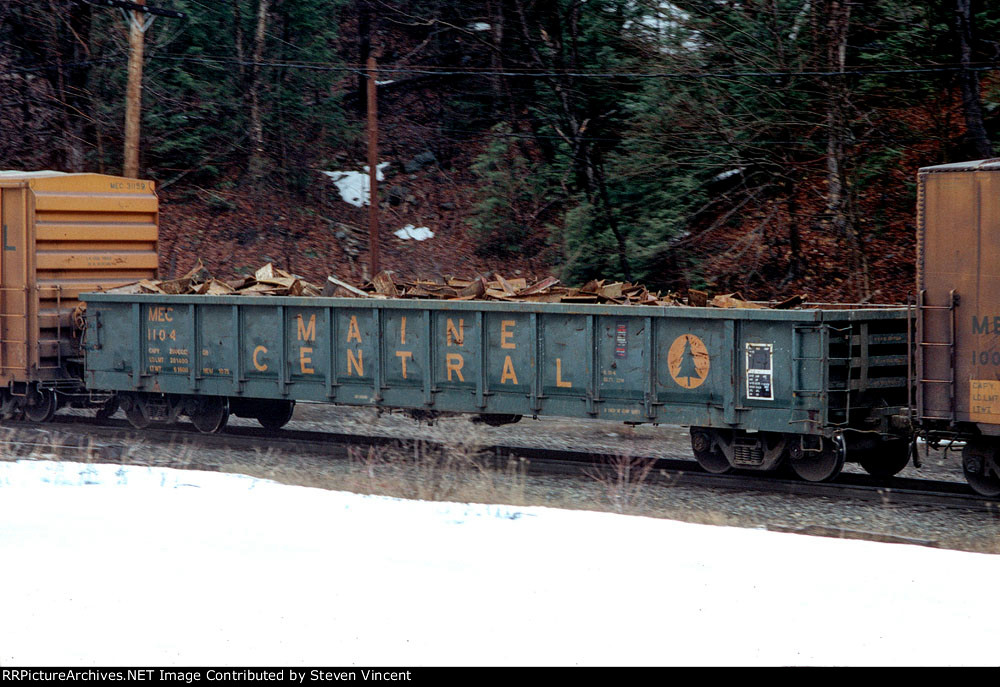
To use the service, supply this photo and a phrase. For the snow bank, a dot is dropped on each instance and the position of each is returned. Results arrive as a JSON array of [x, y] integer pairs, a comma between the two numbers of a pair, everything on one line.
[[116, 565]]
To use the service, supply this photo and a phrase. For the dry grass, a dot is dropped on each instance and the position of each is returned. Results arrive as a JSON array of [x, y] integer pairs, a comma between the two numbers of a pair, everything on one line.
[[462, 471], [624, 482], [17, 443], [459, 471]]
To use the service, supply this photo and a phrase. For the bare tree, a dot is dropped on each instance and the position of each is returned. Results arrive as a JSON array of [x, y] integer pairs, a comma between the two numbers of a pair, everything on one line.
[[835, 22], [257, 161], [972, 105]]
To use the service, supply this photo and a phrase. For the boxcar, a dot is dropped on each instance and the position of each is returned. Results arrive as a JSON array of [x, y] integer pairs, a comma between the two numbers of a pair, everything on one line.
[[758, 387], [63, 234], [958, 313]]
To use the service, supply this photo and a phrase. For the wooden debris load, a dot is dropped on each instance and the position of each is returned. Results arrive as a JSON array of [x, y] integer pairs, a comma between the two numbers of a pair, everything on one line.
[[267, 281], [271, 281]]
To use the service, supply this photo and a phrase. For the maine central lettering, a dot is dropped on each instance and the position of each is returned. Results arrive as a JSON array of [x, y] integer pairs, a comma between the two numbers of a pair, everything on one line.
[[492, 353], [405, 348]]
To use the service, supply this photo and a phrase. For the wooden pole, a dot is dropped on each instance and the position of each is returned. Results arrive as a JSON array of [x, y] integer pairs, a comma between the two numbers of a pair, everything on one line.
[[373, 247], [133, 93]]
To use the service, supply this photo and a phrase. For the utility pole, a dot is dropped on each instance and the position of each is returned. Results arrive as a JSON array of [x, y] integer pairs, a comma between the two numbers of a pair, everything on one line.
[[373, 248], [139, 18]]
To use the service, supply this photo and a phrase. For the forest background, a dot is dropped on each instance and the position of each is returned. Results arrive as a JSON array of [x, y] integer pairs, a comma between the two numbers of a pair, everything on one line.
[[766, 147]]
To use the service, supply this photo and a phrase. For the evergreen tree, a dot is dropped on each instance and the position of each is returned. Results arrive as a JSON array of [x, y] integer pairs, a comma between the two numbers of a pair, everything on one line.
[[512, 199], [688, 369]]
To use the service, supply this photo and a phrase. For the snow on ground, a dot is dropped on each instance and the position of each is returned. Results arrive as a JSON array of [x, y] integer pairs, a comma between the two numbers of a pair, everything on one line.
[[354, 186], [115, 565], [415, 233]]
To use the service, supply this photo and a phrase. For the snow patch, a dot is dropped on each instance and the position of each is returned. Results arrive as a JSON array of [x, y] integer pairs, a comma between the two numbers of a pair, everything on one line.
[[416, 233], [34, 473], [353, 186], [727, 174]]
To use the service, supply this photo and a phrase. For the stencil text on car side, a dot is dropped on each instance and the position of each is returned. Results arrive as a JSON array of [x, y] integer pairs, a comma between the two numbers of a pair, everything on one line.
[[759, 371]]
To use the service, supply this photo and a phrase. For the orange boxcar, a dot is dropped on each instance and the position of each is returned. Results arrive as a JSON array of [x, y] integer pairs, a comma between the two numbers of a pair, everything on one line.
[[958, 326], [63, 235]]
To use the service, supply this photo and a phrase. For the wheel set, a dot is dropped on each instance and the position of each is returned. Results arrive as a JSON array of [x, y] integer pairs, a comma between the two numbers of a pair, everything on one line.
[[209, 414], [275, 415], [981, 465], [35, 404], [707, 452], [820, 462], [812, 458]]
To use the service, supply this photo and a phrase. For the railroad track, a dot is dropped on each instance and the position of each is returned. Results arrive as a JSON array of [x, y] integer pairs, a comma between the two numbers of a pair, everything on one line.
[[76, 437]]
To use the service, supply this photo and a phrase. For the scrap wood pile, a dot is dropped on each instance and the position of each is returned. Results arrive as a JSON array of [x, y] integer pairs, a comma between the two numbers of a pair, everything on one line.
[[267, 281], [271, 281]]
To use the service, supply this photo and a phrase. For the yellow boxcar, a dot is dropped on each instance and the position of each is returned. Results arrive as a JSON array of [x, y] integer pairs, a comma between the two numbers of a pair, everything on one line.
[[63, 235]]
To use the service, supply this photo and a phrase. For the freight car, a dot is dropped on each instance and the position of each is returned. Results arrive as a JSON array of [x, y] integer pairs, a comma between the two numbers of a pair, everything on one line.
[[958, 314], [759, 387], [808, 388], [63, 234]]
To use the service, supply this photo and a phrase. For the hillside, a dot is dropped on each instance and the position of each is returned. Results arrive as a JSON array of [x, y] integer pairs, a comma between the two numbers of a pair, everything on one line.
[[768, 149], [321, 235]]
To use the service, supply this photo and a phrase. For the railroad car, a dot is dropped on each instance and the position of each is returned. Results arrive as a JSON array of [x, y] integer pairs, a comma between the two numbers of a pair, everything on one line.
[[63, 234], [958, 314], [811, 387]]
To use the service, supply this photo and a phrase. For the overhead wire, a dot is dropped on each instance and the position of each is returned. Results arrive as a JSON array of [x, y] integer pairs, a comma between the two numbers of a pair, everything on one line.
[[441, 70], [473, 133], [431, 70], [444, 70]]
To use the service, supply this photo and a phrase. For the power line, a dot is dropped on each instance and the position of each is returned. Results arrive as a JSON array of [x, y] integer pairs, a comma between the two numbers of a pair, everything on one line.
[[454, 71], [136, 7], [42, 66], [472, 133]]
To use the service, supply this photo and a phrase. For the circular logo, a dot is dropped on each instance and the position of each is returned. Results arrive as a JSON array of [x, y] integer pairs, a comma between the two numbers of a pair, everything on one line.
[[688, 361]]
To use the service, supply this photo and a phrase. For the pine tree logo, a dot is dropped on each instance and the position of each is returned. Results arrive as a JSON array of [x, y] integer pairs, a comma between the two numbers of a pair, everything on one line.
[[688, 361]]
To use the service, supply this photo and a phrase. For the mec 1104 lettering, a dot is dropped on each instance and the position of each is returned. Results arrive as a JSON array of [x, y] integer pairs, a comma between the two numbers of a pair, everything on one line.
[[986, 357], [987, 324]]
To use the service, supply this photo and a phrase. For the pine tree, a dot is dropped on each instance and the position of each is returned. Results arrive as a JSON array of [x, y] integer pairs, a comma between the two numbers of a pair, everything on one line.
[[688, 367]]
